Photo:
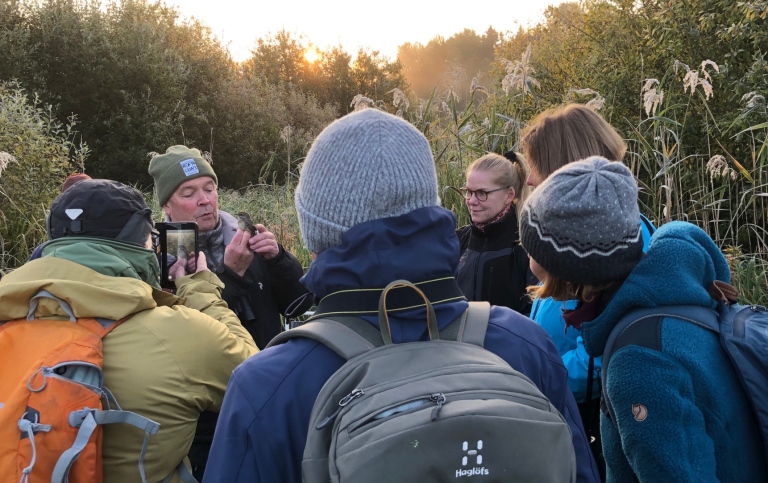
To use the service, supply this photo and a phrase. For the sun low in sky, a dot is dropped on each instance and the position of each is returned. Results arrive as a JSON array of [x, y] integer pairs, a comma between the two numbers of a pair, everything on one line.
[[354, 25], [312, 54]]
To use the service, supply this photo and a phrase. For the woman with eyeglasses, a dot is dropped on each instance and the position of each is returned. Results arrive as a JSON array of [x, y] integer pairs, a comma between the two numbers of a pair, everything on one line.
[[493, 266]]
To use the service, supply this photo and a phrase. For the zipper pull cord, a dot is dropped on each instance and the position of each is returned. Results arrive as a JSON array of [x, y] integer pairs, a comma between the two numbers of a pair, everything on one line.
[[44, 371], [439, 398], [344, 401]]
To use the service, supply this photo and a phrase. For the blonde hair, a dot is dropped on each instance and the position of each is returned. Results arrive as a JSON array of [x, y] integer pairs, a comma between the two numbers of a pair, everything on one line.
[[566, 134], [561, 290], [506, 172]]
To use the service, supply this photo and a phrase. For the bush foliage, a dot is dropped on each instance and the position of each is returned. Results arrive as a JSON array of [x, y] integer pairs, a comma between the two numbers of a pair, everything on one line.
[[685, 82], [36, 153]]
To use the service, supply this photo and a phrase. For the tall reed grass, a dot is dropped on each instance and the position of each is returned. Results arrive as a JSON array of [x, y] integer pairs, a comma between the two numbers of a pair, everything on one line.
[[724, 196]]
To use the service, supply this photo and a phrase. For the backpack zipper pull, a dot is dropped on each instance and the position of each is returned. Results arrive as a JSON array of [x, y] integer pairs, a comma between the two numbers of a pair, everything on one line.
[[439, 398], [344, 401]]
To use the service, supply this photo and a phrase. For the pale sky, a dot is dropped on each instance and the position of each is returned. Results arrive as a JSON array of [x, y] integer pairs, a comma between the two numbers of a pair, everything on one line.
[[354, 23]]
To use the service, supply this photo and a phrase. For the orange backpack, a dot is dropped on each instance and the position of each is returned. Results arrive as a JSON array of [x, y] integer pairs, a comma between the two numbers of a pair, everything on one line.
[[53, 401]]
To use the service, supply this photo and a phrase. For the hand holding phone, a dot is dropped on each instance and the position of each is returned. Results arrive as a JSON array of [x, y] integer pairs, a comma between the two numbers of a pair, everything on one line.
[[177, 250]]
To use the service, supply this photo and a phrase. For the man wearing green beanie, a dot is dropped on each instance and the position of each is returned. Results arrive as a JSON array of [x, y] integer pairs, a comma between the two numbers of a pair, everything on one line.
[[261, 277]]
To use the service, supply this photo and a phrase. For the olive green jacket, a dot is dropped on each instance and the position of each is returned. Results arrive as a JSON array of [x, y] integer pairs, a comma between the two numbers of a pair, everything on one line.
[[168, 362]]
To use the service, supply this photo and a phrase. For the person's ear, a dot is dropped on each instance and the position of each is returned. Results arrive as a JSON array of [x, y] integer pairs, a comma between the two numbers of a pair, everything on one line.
[[511, 195]]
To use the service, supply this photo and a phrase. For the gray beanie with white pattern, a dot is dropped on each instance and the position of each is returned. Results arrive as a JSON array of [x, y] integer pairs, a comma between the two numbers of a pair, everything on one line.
[[582, 224], [364, 166]]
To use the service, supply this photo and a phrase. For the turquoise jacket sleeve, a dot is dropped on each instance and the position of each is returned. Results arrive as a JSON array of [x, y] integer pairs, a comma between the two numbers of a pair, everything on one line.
[[548, 314], [577, 363]]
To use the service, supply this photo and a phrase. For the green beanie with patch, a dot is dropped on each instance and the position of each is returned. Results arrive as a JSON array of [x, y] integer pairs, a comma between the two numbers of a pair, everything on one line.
[[177, 165]]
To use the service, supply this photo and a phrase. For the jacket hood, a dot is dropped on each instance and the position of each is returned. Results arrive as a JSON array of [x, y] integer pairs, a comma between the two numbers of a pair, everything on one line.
[[681, 262], [418, 246], [109, 257], [88, 292]]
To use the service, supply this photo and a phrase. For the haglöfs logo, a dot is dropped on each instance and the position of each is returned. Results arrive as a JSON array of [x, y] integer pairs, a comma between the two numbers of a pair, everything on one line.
[[466, 459]]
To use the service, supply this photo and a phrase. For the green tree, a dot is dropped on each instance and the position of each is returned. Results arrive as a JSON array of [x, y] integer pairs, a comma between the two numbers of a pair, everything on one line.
[[251, 114], [279, 58], [36, 154], [337, 85], [133, 72], [375, 76]]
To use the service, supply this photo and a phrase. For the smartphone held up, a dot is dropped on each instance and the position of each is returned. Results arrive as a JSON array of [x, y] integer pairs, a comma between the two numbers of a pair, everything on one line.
[[178, 243]]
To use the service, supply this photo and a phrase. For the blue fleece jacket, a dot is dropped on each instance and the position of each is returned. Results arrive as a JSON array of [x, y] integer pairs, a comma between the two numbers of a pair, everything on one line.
[[265, 416], [548, 313], [681, 414]]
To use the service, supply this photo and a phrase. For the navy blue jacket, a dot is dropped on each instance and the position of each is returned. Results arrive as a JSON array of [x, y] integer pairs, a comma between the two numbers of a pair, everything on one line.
[[265, 416]]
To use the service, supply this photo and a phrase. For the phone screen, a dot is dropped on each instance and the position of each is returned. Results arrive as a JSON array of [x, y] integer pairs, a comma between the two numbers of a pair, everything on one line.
[[178, 243]]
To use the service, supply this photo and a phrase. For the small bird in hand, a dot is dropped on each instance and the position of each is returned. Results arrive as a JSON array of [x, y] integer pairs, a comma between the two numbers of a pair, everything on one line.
[[244, 223], [182, 252]]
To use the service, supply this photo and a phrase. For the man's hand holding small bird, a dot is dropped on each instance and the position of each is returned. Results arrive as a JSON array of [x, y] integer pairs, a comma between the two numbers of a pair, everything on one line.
[[244, 223], [261, 241], [264, 243]]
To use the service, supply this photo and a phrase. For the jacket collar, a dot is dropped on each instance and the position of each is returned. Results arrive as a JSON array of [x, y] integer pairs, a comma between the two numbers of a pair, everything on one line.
[[681, 263], [507, 226], [418, 246]]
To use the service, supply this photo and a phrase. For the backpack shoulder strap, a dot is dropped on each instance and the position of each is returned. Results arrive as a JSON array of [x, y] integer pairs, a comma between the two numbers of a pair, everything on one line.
[[642, 327], [87, 420], [476, 325], [346, 336], [352, 336]]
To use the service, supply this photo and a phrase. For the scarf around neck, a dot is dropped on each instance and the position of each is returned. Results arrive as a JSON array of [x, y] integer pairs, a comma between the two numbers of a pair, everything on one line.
[[502, 214], [212, 244]]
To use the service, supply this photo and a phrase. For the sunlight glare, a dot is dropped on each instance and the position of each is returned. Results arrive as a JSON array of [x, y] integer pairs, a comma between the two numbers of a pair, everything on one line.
[[312, 55]]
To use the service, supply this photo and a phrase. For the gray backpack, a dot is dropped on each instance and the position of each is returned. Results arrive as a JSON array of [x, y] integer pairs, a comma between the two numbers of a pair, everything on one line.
[[433, 411]]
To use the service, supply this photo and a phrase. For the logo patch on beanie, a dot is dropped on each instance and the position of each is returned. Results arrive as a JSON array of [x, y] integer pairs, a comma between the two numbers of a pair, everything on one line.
[[189, 166]]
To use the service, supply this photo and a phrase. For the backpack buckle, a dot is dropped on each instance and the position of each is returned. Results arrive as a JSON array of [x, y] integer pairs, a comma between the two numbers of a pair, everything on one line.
[[75, 418]]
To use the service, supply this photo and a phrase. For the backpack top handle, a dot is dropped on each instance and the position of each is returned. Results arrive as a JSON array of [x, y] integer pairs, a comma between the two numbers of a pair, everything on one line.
[[723, 292], [386, 333]]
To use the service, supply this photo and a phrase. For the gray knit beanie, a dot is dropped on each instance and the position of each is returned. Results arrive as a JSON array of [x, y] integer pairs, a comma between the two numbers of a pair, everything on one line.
[[178, 165], [582, 224], [364, 166]]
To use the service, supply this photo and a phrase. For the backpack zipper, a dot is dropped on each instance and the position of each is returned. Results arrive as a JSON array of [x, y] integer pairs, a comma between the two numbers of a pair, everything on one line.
[[478, 270], [344, 401], [356, 393], [439, 398], [46, 372], [404, 407]]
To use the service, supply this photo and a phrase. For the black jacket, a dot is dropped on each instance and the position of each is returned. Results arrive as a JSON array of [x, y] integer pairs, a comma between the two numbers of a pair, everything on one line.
[[494, 266], [266, 290]]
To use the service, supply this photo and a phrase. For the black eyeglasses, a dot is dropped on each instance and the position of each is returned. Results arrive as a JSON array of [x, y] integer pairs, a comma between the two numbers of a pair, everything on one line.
[[481, 195]]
